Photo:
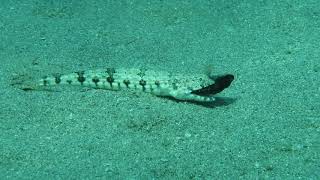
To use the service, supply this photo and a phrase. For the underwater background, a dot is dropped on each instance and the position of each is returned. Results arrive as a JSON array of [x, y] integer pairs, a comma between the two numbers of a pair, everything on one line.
[[267, 125]]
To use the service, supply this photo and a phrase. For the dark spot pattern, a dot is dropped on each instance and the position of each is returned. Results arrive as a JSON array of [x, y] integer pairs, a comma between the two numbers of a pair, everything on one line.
[[81, 78], [95, 80], [69, 81], [110, 72], [110, 80], [57, 78], [45, 81], [126, 82], [143, 84], [157, 83], [175, 86], [142, 73]]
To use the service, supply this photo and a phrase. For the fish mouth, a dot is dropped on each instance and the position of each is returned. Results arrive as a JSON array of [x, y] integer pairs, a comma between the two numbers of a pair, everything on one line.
[[220, 83]]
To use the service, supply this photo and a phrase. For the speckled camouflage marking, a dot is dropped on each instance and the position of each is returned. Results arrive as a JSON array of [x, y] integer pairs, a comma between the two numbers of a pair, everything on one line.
[[178, 86]]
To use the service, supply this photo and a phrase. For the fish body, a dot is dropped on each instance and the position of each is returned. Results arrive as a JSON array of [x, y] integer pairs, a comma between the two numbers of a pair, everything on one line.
[[186, 87]]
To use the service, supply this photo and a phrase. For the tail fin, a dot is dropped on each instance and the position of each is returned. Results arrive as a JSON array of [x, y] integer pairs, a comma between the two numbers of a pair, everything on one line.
[[220, 84]]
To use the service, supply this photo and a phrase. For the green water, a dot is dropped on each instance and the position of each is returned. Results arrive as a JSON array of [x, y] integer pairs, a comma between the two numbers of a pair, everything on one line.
[[266, 125]]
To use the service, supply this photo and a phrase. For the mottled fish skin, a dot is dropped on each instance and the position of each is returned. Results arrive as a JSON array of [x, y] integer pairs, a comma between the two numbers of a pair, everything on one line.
[[178, 86]]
